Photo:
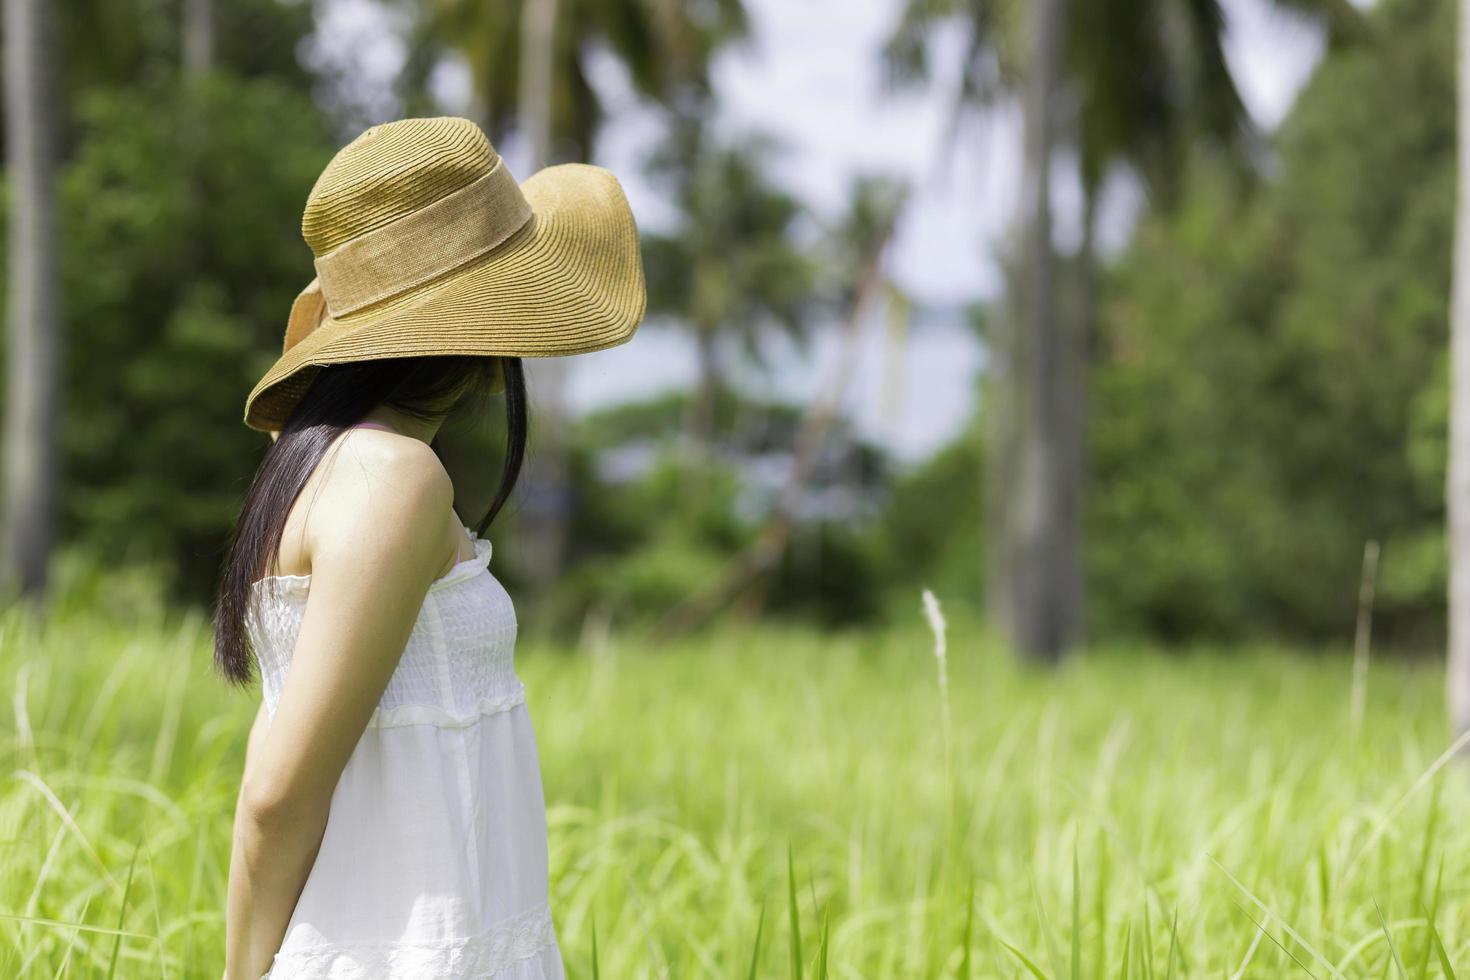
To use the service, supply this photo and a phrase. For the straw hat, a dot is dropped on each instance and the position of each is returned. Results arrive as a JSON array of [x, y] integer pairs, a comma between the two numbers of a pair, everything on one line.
[[425, 244]]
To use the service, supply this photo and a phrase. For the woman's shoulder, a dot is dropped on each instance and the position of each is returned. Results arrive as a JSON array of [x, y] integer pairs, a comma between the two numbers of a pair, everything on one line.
[[385, 470], [373, 484]]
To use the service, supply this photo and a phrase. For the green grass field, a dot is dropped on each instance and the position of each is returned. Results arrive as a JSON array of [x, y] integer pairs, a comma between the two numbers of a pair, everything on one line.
[[1133, 815]]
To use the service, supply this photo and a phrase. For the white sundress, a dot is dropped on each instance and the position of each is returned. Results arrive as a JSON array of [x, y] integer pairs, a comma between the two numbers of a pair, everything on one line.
[[433, 863]]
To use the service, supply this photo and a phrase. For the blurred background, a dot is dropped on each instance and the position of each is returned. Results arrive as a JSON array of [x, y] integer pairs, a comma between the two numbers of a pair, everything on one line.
[[1122, 327], [1171, 393]]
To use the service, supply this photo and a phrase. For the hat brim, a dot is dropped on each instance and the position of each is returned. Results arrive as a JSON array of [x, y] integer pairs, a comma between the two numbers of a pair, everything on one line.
[[569, 282]]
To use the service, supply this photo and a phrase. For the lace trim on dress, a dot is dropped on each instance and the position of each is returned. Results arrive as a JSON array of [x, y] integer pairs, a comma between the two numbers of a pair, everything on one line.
[[504, 944]]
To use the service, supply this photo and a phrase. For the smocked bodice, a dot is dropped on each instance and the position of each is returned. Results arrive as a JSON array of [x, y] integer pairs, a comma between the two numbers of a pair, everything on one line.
[[458, 663]]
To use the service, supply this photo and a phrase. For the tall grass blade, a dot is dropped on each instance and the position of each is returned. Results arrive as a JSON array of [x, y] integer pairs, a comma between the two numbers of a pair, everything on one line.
[[596, 974], [1444, 957], [1048, 933], [1285, 927], [795, 916], [1430, 915], [64, 970], [1393, 948], [755, 954], [1324, 877], [79, 927], [157, 914], [122, 914], [1173, 946], [1146, 960], [1279, 945], [969, 926], [1431, 824], [1026, 961], [1076, 915], [1385, 820], [822, 946], [1100, 901]]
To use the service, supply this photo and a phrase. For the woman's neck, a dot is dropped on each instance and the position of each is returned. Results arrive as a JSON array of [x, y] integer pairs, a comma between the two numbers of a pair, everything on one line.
[[404, 424]]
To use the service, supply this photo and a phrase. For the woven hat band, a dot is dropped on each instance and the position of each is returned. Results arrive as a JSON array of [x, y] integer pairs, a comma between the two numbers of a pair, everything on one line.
[[423, 245]]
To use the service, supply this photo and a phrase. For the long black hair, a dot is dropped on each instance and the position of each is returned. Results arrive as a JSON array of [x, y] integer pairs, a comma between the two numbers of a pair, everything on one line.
[[340, 396]]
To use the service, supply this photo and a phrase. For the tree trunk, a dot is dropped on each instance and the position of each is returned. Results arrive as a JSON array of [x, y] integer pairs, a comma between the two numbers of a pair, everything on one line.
[[697, 454], [1457, 493], [538, 59], [1043, 587], [32, 387], [1001, 417], [547, 509], [198, 38], [1079, 337], [704, 406]]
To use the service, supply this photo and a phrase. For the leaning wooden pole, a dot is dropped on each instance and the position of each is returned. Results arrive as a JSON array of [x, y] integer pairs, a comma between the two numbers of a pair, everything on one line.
[[33, 354], [750, 567]]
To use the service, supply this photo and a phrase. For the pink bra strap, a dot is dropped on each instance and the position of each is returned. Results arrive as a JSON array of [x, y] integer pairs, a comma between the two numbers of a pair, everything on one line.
[[372, 425]]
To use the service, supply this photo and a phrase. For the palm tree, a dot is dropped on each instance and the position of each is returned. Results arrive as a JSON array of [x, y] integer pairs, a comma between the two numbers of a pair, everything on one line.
[[856, 250], [732, 267], [1145, 80], [665, 48], [545, 519], [1458, 484], [33, 358], [527, 62]]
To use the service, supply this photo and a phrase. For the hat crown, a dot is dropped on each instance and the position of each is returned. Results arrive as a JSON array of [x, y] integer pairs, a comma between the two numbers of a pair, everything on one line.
[[389, 171]]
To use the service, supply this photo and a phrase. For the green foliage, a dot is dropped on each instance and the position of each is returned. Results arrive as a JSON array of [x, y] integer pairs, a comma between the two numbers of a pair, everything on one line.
[[831, 574], [1206, 815], [734, 264], [183, 256], [932, 531], [638, 545], [1271, 391], [109, 43], [666, 52], [649, 527]]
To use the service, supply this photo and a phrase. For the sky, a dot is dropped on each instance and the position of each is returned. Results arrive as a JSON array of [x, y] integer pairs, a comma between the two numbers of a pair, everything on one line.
[[811, 77]]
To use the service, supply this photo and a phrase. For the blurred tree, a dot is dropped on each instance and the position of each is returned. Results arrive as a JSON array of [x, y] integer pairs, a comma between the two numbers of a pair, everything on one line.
[[545, 522], [34, 352], [1128, 83], [1270, 380], [933, 526], [182, 255], [126, 42], [1041, 597], [1458, 484], [177, 307], [731, 267], [638, 544], [666, 49], [862, 239], [198, 37], [528, 65]]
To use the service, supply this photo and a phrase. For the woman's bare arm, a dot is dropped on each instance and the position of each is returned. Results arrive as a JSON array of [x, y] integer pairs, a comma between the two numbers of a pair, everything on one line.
[[374, 552], [238, 901]]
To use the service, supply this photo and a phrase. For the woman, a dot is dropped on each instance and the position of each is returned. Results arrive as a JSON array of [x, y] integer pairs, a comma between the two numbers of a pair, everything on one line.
[[390, 822]]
